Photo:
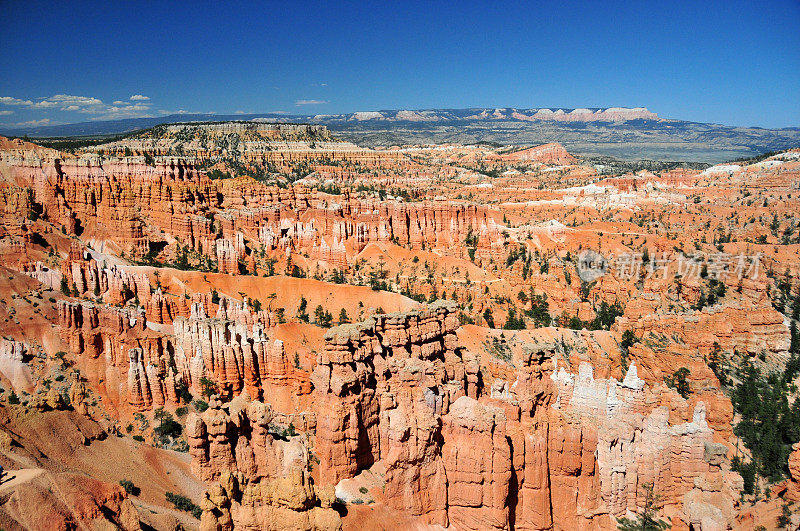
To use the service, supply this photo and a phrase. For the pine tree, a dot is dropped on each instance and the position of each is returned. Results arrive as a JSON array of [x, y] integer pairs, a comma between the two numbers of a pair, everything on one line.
[[488, 317], [301, 310], [208, 386], [647, 519]]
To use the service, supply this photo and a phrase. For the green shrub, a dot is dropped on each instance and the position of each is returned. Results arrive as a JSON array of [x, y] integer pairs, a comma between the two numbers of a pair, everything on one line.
[[129, 487], [182, 503], [167, 426]]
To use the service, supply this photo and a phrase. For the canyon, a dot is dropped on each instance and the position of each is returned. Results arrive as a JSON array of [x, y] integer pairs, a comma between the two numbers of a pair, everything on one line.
[[271, 327]]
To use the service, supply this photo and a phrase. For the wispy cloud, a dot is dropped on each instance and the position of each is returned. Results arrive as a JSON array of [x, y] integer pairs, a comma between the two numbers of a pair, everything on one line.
[[6, 113], [184, 111], [33, 123], [137, 106], [311, 102]]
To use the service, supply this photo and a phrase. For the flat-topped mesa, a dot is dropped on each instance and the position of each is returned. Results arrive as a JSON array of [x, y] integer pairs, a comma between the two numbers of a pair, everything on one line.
[[268, 146], [611, 114], [263, 129]]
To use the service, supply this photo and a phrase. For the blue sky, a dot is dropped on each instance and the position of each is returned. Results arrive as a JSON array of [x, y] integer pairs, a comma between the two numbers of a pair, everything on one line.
[[725, 62]]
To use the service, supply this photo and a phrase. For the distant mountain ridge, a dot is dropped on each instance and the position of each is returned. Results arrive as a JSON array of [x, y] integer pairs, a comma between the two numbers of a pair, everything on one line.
[[594, 114], [625, 133], [611, 114]]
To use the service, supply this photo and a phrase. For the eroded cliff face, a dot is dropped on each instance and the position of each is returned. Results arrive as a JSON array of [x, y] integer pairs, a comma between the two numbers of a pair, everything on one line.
[[544, 448], [164, 287], [547, 153], [171, 210], [143, 366], [462, 439]]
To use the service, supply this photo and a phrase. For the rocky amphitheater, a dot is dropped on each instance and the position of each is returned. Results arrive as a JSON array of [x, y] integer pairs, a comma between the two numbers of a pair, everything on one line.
[[246, 325]]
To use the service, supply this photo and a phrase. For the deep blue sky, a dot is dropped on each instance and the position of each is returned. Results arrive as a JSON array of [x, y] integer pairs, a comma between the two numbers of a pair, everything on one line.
[[728, 62]]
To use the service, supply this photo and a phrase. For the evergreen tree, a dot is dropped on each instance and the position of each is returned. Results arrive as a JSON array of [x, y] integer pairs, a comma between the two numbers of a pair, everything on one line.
[[628, 339], [647, 519], [769, 424], [513, 322], [488, 317], [208, 386], [678, 382], [322, 317], [302, 314]]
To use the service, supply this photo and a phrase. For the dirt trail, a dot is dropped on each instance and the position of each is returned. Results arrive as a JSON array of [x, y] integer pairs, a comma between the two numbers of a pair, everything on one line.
[[14, 478]]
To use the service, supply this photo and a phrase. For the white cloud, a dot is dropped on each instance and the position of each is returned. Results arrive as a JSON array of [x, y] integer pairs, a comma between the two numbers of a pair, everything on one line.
[[137, 107], [45, 104], [8, 100], [6, 113], [74, 100], [87, 104], [33, 123], [310, 102], [116, 112], [64, 101]]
